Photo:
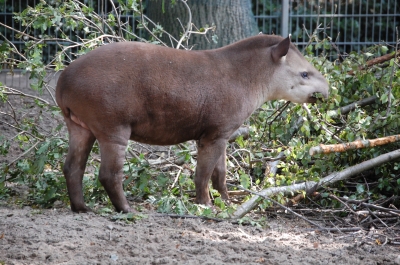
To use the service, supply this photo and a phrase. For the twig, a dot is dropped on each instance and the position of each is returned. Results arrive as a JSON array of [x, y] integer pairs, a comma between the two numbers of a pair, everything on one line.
[[20, 32], [189, 216], [322, 126], [277, 203], [368, 205], [188, 27], [16, 92], [336, 229], [388, 110], [342, 202], [24, 153], [21, 130]]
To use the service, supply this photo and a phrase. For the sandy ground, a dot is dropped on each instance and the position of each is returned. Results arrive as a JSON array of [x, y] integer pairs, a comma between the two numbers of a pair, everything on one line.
[[58, 236]]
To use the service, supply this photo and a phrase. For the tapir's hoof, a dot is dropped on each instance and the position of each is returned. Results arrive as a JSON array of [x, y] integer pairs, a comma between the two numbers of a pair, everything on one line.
[[126, 209], [206, 202], [227, 201], [81, 209]]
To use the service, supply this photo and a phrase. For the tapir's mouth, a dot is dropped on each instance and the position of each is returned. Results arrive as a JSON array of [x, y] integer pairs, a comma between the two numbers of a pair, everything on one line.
[[316, 96]]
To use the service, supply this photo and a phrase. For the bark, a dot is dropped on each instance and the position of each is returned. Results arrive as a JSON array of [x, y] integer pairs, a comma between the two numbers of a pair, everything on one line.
[[311, 186], [233, 20], [327, 149]]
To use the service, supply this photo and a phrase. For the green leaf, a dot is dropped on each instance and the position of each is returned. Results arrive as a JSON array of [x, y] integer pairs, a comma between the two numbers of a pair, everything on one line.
[[180, 208], [43, 148], [360, 188], [245, 181], [214, 38]]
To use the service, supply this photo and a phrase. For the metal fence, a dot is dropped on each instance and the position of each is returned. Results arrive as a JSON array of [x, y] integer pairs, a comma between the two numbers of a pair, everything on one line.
[[9, 8], [352, 24]]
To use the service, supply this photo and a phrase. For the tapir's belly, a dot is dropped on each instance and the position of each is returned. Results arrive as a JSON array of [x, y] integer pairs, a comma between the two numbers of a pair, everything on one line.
[[157, 124]]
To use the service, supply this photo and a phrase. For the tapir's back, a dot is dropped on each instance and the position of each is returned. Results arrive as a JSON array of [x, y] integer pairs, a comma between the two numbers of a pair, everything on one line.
[[156, 91]]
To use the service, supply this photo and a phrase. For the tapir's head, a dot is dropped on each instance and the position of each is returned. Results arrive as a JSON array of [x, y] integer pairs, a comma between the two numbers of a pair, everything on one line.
[[295, 79]]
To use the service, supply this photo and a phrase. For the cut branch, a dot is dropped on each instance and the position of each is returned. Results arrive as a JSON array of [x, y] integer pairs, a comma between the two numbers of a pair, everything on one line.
[[310, 186], [343, 147], [377, 60]]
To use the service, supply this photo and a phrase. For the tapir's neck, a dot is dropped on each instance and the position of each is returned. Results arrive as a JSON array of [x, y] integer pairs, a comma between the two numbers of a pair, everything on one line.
[[250, 64]]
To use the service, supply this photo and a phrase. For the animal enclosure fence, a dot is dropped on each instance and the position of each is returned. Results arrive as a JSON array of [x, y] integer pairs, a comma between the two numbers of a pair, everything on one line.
[[353, 25]]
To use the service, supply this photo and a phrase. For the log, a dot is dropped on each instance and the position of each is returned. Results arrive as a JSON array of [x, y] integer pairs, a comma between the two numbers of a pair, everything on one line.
[[310, 186], [343, 147]]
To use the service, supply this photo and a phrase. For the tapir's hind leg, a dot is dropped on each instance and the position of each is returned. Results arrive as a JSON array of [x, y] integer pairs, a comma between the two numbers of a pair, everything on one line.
[[81, 142], [218, 176], [111, 172]]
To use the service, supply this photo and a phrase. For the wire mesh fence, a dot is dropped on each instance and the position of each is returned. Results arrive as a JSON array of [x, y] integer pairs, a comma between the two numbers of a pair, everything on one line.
[[9, 9], [352, 24]]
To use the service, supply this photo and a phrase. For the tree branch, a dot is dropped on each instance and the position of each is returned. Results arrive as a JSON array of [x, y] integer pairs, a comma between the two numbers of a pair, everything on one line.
[[343, 147], [310, 186]]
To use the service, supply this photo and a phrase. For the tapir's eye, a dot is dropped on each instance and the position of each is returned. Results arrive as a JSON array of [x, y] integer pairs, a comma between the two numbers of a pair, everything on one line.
[[304, 74]]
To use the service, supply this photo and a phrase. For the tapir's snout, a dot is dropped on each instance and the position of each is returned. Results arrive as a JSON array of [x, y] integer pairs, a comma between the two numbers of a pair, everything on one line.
[[321, 94]]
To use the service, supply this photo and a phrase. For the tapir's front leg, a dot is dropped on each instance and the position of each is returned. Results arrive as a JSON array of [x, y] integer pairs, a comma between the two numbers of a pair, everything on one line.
[[111, 173], [218, 176], [209, 153]]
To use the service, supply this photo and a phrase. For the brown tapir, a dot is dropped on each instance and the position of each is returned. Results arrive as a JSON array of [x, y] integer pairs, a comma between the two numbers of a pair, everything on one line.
[[157, 95]]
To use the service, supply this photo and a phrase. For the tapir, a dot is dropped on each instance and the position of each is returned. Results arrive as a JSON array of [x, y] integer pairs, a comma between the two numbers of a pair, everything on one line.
[[163, 96]]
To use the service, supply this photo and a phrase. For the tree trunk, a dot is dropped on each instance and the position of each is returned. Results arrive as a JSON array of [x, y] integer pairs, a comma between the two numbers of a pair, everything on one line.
[[233, 20]]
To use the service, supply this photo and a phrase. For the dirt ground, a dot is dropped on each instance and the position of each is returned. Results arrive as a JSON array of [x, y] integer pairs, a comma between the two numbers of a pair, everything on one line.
[[58, 236]]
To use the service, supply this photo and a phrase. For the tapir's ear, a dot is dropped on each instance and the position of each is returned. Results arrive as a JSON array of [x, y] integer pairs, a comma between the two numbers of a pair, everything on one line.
[[281, 49]]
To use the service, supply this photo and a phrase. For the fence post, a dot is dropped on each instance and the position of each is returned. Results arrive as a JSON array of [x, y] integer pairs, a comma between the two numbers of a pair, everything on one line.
[[285, 18]]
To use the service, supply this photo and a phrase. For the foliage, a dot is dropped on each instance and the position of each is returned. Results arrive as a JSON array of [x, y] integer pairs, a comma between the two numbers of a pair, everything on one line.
[[274, 129]]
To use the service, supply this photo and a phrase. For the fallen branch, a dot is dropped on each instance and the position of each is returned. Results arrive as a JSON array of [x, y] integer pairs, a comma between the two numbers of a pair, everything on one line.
[[343, 147], [377, 60], [280, 205], [361, 103], [310, 186]]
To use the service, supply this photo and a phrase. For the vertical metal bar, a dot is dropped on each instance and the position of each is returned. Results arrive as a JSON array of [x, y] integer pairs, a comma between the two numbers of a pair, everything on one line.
[[359, 23], [290, 17], [285, 18], [373, 23], [394, 22], [366, 24], [297, 24], [333, 11], [380, 23], [345, 21], [387, 23]]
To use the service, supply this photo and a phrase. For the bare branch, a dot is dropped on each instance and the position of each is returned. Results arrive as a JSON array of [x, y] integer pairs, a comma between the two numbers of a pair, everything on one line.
[[343, 147], [309, 186]]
